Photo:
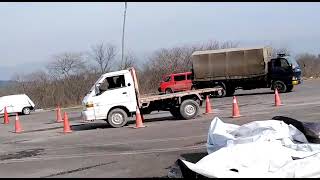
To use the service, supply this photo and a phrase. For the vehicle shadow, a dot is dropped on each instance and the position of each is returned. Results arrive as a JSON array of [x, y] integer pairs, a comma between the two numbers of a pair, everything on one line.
[[71, 119], [194, 157], [89, 126], [250, 94], [103, 125]]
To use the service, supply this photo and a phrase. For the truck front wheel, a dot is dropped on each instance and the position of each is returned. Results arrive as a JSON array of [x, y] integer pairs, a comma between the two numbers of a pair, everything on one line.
[[189, 109], [281, 86], [117, 118]]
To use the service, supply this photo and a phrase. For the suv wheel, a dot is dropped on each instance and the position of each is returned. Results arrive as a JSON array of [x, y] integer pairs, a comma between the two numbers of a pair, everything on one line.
[[168, 91], [26, 111]]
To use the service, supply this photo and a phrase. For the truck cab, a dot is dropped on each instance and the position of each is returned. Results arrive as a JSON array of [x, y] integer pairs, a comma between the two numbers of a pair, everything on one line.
[[112, 97], [284, 73], [115, 96]]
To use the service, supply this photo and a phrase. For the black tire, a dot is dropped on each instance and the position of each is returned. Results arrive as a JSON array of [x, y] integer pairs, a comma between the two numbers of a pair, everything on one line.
[[289, 88], [117, 118], [168, 91], [175, 112], [281, 86], [220, 94], [26, 111], [189, 109]]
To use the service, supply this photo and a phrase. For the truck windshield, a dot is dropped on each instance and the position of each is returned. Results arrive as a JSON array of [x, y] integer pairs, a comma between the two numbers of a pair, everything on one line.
[[292, 62], [92, 88]]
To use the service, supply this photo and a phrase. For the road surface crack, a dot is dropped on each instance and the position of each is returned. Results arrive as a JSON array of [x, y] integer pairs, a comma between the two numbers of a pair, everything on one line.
[[79, 169]]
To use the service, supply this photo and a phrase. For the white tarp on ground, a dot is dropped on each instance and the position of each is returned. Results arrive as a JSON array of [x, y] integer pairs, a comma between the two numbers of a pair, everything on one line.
[[268, 148]]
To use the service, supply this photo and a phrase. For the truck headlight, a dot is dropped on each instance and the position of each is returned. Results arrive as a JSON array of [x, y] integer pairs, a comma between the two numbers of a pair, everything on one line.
[[89, 105]]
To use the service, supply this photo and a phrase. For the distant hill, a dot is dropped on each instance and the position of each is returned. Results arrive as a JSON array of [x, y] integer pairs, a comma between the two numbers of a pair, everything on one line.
[[5, 83]]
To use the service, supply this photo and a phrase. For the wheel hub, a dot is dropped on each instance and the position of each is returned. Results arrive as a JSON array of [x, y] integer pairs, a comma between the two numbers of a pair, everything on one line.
[[190, 110], [117, 118], [219, 92], [279, 86], [26, 111]]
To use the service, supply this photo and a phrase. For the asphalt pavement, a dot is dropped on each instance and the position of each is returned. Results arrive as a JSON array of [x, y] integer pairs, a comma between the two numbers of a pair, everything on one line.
[[94, 149]]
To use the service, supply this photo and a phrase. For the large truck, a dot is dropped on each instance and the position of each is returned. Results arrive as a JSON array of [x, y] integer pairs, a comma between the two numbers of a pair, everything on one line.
[[244, 68], [115, 96]]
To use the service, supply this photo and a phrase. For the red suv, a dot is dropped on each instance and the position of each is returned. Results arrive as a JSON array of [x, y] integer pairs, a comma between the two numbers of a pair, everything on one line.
[[176, 82]]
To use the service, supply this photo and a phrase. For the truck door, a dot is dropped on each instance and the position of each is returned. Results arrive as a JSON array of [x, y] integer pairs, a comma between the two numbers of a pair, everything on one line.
[[188, 82], [280, 70], [114, 91]]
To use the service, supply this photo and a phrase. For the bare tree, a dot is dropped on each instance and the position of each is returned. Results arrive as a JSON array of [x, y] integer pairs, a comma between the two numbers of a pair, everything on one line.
[[69, 78], [66, 64], [129, 61], [310, 64], [104, 55]]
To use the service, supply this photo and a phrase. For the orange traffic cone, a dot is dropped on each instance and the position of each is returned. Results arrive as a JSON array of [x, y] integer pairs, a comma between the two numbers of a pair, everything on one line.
[[139, 123], [59, 118], [66, 126], [277, 100], [18, 128], [208, 106], [6, 117], [235, 108]]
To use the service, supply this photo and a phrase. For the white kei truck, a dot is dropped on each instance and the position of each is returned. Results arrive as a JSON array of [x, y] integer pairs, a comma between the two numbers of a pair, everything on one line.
[[115, 97]]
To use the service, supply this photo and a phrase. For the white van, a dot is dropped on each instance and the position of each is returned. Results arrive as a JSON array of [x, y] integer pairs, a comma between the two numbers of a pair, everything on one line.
[[19, 103]]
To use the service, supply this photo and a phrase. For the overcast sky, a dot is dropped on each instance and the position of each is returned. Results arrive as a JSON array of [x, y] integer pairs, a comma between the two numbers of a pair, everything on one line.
[[31, 33]]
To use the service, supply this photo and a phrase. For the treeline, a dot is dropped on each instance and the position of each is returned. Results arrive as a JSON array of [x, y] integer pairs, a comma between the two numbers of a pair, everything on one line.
[[69, 76]]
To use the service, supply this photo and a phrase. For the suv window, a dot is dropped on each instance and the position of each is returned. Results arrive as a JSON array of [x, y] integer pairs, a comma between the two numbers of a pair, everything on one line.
[[180, 78]]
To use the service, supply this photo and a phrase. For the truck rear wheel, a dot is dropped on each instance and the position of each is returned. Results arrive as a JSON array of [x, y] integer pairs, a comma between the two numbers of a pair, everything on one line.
[[117, 118], [189, 109], [221, 93]]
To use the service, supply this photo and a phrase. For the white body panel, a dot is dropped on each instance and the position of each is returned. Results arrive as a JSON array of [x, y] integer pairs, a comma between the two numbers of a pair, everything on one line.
[[15, 103], [102, 103]]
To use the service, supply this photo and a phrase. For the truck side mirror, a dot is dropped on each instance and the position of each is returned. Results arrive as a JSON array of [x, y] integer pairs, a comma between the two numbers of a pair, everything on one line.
[[96, 88]]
